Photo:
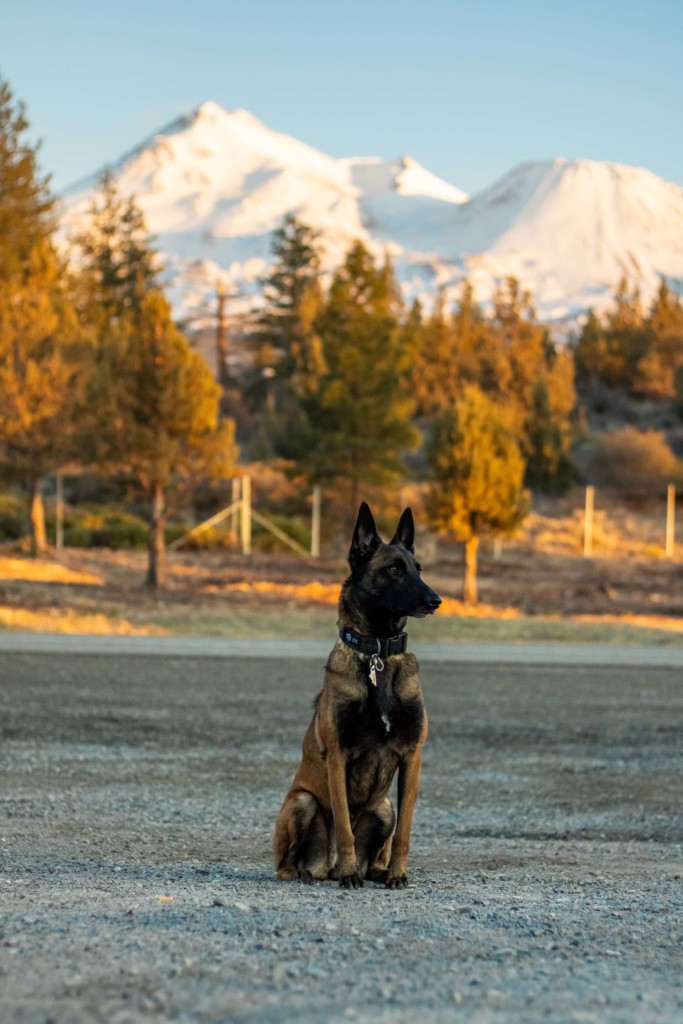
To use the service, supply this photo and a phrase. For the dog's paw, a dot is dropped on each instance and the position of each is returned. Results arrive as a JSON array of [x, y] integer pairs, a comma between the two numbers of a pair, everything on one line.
[[352, 881], [396, 882], [306, 877]]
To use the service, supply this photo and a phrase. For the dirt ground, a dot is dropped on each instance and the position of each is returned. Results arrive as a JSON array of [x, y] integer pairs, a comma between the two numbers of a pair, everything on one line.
[[137, 803]]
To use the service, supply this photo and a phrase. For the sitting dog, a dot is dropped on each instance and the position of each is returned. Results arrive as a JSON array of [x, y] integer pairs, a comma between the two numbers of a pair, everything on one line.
[[337, 820]]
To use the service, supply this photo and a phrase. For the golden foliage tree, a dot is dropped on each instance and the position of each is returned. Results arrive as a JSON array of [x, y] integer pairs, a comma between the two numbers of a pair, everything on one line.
[[38, 371], [510, 356], [452, 351], [152, 404], [477, 473]]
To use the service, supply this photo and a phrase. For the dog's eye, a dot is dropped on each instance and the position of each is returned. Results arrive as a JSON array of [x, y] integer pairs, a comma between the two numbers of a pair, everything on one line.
[[419, 568], [395, 570]]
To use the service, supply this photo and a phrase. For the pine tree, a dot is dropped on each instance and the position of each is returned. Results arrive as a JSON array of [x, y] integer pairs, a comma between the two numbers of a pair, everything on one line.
[[152, 407], [626, 333], [38, 378], [663, 359], [477, 472], [609, 351], [590, 350], [474, 349], [522, 348], [360, 415], [289, 347], [436, 378], [548, 466], [454, 350]]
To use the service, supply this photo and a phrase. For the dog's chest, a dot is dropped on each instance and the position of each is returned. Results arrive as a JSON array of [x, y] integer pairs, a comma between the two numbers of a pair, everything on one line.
[[380, 719]]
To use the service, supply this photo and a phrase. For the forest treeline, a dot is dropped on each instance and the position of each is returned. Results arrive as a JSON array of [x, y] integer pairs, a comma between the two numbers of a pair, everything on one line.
[[341, 381]]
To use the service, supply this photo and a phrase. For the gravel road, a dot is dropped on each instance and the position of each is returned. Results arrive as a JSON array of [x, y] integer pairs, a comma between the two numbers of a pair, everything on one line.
[[138, 794]]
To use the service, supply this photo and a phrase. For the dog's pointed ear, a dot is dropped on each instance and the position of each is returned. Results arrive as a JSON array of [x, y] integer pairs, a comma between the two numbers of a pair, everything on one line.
[[366, 539], [405, 531]]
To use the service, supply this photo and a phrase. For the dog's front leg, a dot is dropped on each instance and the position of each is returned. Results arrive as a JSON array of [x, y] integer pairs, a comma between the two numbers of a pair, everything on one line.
[[349, 875], [408, 785]]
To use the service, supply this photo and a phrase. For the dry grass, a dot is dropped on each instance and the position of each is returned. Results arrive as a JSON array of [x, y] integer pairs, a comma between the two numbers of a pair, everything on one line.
[[41, 571], [618, 531], [52, 620]]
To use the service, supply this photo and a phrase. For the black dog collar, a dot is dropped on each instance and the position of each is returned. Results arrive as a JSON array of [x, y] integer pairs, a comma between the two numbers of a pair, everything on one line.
[[382, 646]]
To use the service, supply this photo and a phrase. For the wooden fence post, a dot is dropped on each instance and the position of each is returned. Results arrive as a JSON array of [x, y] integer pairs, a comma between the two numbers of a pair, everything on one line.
[[235, 491], [59, 513], [245, 518], [588, 522], [315, 523], [670, 520]]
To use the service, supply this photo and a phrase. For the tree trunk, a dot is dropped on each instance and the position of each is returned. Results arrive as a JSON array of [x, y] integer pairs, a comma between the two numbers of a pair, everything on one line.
[[221, 339], [157, 543], [38, 534], [471, 548], [354, 499]]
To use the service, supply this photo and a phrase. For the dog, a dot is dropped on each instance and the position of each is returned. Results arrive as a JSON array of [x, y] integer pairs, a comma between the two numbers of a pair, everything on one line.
[[369, 721]]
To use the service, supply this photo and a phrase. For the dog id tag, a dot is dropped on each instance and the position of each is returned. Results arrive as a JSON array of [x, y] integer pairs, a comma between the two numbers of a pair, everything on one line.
[[376, 665]]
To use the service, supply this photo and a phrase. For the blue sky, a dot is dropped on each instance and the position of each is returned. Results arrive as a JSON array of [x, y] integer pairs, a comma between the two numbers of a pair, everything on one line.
[[467, 88]]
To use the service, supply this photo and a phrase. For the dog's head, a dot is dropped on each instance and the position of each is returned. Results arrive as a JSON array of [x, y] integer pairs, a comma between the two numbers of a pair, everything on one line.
[[388, 575]]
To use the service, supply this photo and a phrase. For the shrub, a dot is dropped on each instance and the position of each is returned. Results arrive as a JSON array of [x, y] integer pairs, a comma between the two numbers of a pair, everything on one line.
[[13, 517], [77, 537], [634, 461], [121, 530], [104, 527]]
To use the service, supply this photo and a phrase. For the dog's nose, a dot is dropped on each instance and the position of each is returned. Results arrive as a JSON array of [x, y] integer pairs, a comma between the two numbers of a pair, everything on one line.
[[433, 602]]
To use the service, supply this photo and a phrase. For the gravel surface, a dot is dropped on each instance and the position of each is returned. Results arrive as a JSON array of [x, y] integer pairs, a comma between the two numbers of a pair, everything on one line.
[[137, 801]]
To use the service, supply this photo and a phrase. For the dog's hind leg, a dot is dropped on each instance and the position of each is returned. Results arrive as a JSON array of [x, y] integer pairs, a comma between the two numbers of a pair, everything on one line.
[[302, 839], [373, 832]]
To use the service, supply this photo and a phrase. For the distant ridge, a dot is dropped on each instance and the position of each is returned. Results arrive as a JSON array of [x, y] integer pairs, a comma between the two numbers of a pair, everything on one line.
[[214, 185]]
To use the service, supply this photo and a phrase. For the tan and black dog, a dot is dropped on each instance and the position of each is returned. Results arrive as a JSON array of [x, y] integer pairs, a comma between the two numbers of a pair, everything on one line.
[[337, 820]]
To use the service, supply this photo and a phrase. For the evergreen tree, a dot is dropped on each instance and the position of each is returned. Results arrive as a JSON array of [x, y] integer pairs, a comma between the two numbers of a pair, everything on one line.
[[522, 349], [609, 352], [548, 466], [152, 403], [590, 351], [360, 415], [290, 356], [477, 471], [38, 379], [454, 350], [663, 359], [436, 378], [475, 353], [411, 342]]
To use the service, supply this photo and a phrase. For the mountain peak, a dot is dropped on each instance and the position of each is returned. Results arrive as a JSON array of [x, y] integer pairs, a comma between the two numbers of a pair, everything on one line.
[[215, 184], [212, 113], [209, 111]]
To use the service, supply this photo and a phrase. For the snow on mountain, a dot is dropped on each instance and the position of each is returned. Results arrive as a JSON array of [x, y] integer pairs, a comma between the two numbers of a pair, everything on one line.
[[215, 184], [569, 230]]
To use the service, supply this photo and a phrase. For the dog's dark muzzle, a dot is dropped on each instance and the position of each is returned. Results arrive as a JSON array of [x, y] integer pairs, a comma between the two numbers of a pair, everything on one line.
[[432, 602], [427, 604]]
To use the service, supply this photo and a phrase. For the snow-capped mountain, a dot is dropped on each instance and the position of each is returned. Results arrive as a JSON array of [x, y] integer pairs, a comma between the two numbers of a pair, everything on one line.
[[569, 229], [215, 184]]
